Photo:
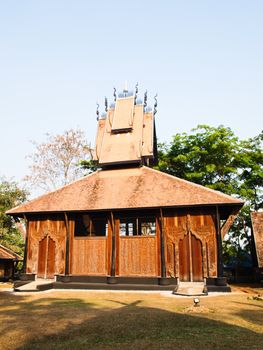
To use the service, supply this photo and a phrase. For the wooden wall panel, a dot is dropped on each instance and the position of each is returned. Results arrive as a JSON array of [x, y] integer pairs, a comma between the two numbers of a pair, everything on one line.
[[197, 259], [184, 256], [89, 256], [51, 258], [2, 269], [6, 269], [138, 256]]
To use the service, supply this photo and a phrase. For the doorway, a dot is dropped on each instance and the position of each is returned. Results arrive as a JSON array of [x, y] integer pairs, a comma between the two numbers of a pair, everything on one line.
[[190, 259], [46, 258]]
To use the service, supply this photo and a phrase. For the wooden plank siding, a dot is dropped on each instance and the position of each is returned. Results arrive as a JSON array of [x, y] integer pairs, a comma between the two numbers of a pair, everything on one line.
[[138, 256], [90, 256]]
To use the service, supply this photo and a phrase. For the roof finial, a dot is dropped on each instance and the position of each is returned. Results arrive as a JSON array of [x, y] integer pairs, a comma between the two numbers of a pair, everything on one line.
[[155, 104], [136, 93], [145, 99], [114, 94], [125, 90], [106, 104], [97, 111]]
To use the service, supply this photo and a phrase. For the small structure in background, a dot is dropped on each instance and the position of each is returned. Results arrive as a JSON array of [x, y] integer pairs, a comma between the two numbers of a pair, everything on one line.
[[8, 261]]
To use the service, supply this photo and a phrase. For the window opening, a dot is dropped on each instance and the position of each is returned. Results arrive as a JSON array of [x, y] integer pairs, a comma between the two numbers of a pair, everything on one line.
[[141, 226], [90, 226]]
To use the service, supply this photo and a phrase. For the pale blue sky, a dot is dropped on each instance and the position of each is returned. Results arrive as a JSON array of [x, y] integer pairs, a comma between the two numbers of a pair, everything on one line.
[[204, 58]]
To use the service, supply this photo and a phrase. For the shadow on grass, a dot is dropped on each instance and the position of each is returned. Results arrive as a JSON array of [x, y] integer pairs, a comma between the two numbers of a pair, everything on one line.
[[120, 326], [259, 305]]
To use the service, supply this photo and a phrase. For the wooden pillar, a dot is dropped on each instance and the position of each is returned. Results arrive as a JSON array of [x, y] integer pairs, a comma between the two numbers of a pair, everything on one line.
[[113, 246], [26, 245], [67, 244], [219, 245], [163, 266], [190, 255]]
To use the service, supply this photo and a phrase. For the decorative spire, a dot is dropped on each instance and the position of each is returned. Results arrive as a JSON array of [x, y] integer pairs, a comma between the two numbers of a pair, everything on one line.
[[136, 93], [145, 99], [97, 111], [125, 90], [106, 104], [114, 94], [155, 104]]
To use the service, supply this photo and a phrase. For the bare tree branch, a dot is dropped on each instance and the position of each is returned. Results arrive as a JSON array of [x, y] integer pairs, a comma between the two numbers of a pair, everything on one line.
[[55, 162]]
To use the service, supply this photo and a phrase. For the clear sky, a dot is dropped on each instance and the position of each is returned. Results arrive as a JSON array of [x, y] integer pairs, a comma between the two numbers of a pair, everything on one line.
[[204, 58]]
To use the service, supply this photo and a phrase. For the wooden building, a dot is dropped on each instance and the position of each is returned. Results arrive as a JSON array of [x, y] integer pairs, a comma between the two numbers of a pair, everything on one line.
[[257, 225], [8, 261], [126, 222]]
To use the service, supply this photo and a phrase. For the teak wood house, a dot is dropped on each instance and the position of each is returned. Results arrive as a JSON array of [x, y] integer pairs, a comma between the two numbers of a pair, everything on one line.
[[126, 222]]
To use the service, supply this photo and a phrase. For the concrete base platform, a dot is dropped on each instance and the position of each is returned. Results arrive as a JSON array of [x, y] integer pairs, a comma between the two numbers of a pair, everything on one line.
[[106, 286]]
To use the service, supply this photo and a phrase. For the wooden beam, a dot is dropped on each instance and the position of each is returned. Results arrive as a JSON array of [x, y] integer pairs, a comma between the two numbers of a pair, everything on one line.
[[163, 265], [229, 222], [67, 244], [113, 246], [26, 245], [219, 245]]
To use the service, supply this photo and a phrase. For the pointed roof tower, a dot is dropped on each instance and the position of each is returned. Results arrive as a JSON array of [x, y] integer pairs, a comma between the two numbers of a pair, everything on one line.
[[126, 133]]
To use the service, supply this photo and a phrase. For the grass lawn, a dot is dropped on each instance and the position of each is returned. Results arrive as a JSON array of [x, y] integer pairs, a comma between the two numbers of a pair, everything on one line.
[[134, 320]]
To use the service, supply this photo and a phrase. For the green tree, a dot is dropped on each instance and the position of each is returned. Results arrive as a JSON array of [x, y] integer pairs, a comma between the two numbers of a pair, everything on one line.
[[214, 157], [207, 156], [250, 163], [10, 196]]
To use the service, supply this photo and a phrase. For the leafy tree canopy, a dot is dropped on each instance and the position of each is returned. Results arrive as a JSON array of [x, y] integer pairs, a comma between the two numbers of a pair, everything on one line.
[[10, 196], [215, 157]]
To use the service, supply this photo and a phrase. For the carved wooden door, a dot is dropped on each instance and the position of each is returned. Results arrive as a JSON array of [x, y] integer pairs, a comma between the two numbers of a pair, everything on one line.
[[51, 258], [42, 252], [46, 258], [190, 259]]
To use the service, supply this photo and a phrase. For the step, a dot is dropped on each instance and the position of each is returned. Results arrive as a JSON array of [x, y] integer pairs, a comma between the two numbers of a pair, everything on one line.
[[190, 289], [32, 286]]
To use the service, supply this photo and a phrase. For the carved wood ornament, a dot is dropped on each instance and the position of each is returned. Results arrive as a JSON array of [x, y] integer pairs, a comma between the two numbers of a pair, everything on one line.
[[205, 233], [38, 230]]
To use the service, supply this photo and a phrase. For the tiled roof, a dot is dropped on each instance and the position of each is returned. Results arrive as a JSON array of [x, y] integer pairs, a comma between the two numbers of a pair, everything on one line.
[[125, 189], [6, 253]]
